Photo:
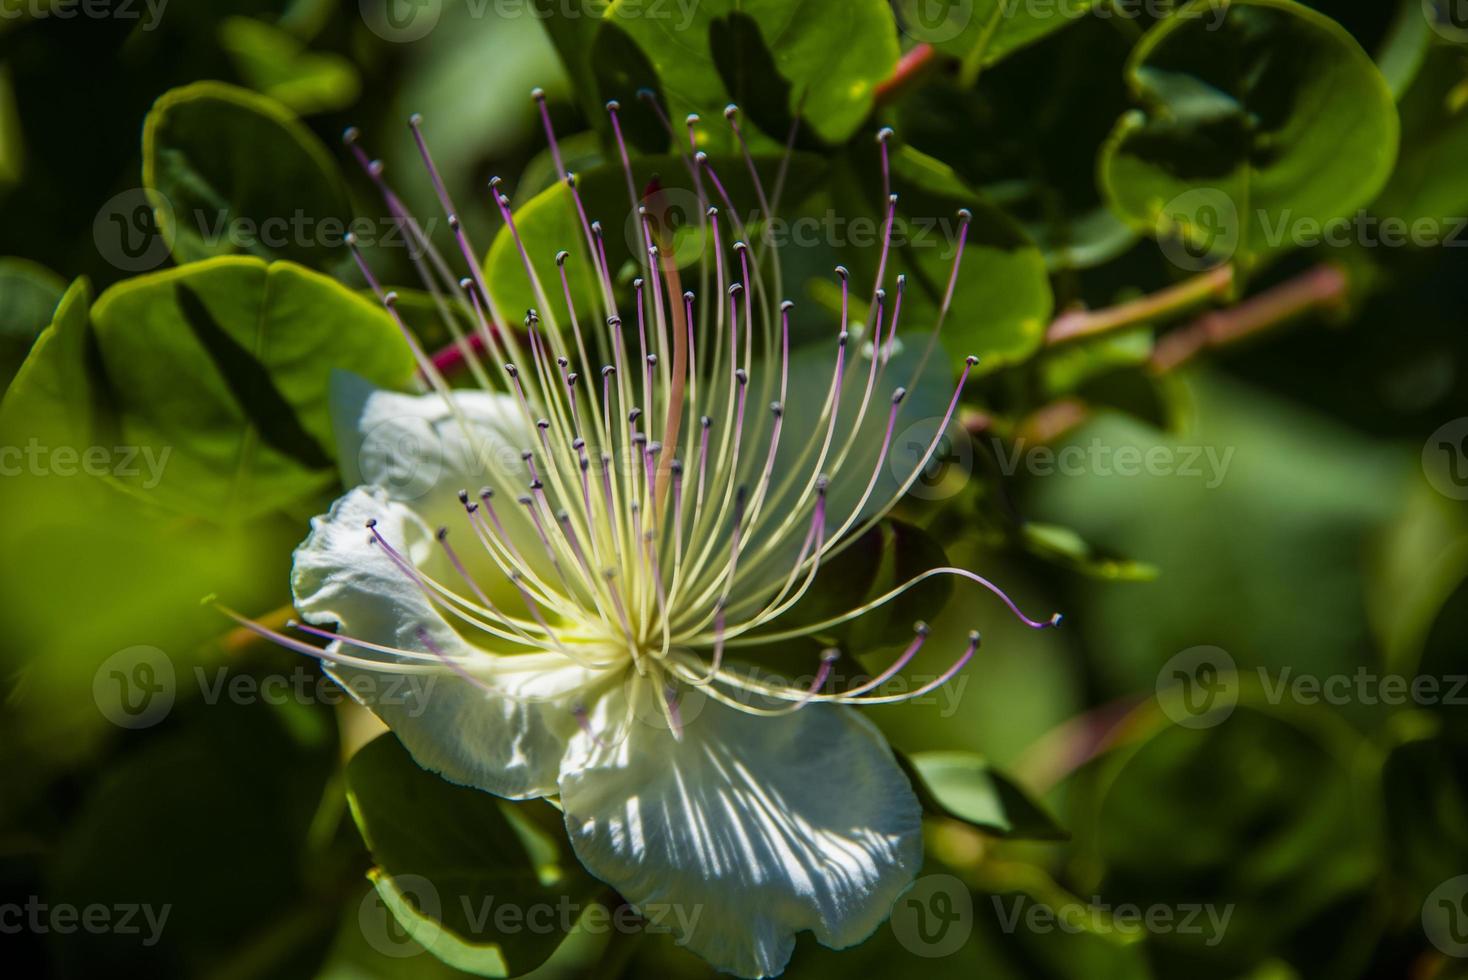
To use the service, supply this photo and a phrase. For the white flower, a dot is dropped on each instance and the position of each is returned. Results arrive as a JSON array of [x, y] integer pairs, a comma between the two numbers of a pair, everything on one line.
[[595, 545]]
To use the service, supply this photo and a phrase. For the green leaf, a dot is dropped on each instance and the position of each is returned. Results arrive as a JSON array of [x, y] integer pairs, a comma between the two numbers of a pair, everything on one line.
[[1064, 546], [982, 32], [1270, 117], [1429, 184], [28, 296], [231, 172], [1028, 137], [450, 858], [277, 64], [966, 787], [831, 61], [49, 397], [549, 223], [1002, 302], [1265, 813], [225, 365], [227, 772]]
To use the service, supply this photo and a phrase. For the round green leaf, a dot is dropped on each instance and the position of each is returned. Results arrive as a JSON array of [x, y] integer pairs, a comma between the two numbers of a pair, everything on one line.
[[831, 61], [966, 787], [28, 296], [226, 364], [452, 860], [1257, 117], [232, 172]]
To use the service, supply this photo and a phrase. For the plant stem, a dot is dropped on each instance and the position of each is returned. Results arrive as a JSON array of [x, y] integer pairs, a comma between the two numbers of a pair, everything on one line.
[[1321, 287], [913, 65], [1076, 324]]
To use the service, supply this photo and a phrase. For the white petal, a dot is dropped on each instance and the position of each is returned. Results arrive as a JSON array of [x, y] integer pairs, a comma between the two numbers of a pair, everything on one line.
[[416, 448], [747, 830], [494, 740]]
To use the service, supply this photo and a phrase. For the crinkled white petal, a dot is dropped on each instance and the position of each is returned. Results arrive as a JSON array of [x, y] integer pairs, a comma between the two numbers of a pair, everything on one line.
[[507, 740], [417, 449], [746, 831]]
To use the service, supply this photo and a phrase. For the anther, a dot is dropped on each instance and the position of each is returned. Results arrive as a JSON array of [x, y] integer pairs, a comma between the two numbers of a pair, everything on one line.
[[512, 371], [842, 272], [920, 628], [898, 395], [787, 306], [443, 533], [562, 256], [463, 496], [971, 360], [742, 376], [884, 134], [777, 409], [350, 135], [485, 493]]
